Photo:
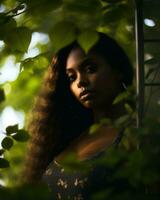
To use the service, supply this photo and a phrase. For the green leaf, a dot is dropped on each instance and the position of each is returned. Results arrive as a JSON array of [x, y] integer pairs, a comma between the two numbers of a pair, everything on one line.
[[105, 121], [38, 62], [41, 62], [2, 151], [3, 18], [93, 128], [4, 163], [10, 24], [21, 136], [87, 39], [121, 120], [42, 7], [122, 96], [125, 143], [7, 143], [27, 64], [72, 163], [63, 34], [2, 95], [114, 1], [6, 25], [82, 7], [128, 108], [12, 129], [18, 39], [114, 13], [102, 194]]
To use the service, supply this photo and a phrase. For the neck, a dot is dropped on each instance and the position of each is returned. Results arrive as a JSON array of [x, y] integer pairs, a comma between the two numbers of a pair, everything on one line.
[[112, 112]]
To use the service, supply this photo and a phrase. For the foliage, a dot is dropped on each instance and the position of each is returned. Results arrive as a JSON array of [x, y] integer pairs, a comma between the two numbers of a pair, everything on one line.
[[63, 21], [13, 135], [134, 165], [25, 192], [71, 20]]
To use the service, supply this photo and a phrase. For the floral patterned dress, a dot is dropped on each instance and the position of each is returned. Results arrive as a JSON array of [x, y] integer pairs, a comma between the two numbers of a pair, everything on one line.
[[78, 184]]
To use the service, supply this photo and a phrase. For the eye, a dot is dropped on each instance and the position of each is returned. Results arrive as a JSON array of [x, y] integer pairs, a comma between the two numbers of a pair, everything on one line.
[[91, 68], [71, 77]]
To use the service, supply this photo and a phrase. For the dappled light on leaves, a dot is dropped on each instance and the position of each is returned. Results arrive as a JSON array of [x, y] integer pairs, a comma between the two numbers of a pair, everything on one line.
[[134, 168]]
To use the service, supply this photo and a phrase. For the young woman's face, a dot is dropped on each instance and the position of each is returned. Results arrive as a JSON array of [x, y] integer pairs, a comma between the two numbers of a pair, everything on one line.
[[92, 81]]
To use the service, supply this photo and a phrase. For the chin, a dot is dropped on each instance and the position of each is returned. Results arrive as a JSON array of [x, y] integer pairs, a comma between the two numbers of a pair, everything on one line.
[[88, 104]]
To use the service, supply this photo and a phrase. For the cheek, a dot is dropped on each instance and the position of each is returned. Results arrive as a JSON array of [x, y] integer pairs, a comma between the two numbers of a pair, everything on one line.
[[111, 87], [74, 89], [94, 80], [106, 83], [99, 80]]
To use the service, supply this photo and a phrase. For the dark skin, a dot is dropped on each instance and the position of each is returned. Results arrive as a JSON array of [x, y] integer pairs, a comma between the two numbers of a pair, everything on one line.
[[91, 73], [87, 146]]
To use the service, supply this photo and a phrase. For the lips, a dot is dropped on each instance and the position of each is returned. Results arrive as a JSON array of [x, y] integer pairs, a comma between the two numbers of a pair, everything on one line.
[[85, 95]]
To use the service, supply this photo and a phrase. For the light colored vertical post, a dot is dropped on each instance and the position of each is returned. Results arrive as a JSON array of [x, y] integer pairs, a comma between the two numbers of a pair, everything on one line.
[[139, 34]]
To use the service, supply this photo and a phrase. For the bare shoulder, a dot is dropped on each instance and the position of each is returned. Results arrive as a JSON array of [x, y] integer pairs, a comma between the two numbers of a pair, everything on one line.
[[87, 145], [97, 142]]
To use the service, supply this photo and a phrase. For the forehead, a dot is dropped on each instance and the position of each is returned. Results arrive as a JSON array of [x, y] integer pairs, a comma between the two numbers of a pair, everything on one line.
[[78, 56]]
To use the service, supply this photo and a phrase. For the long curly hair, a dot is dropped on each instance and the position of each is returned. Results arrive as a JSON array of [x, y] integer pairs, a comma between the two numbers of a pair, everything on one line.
[[57, 117]]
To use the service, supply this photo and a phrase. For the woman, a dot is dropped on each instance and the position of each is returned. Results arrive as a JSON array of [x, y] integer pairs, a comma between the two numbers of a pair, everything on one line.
[[78, 91]]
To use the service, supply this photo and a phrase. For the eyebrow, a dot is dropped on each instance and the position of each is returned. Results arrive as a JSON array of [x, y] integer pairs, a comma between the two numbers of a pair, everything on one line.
[[82, 64]]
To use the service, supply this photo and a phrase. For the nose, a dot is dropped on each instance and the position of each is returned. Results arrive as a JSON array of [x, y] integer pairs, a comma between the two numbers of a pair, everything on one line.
[[82, 82]]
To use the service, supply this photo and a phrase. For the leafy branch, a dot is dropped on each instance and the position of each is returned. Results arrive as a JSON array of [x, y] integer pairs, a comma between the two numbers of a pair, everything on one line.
[[12, 134], [16, 11]]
